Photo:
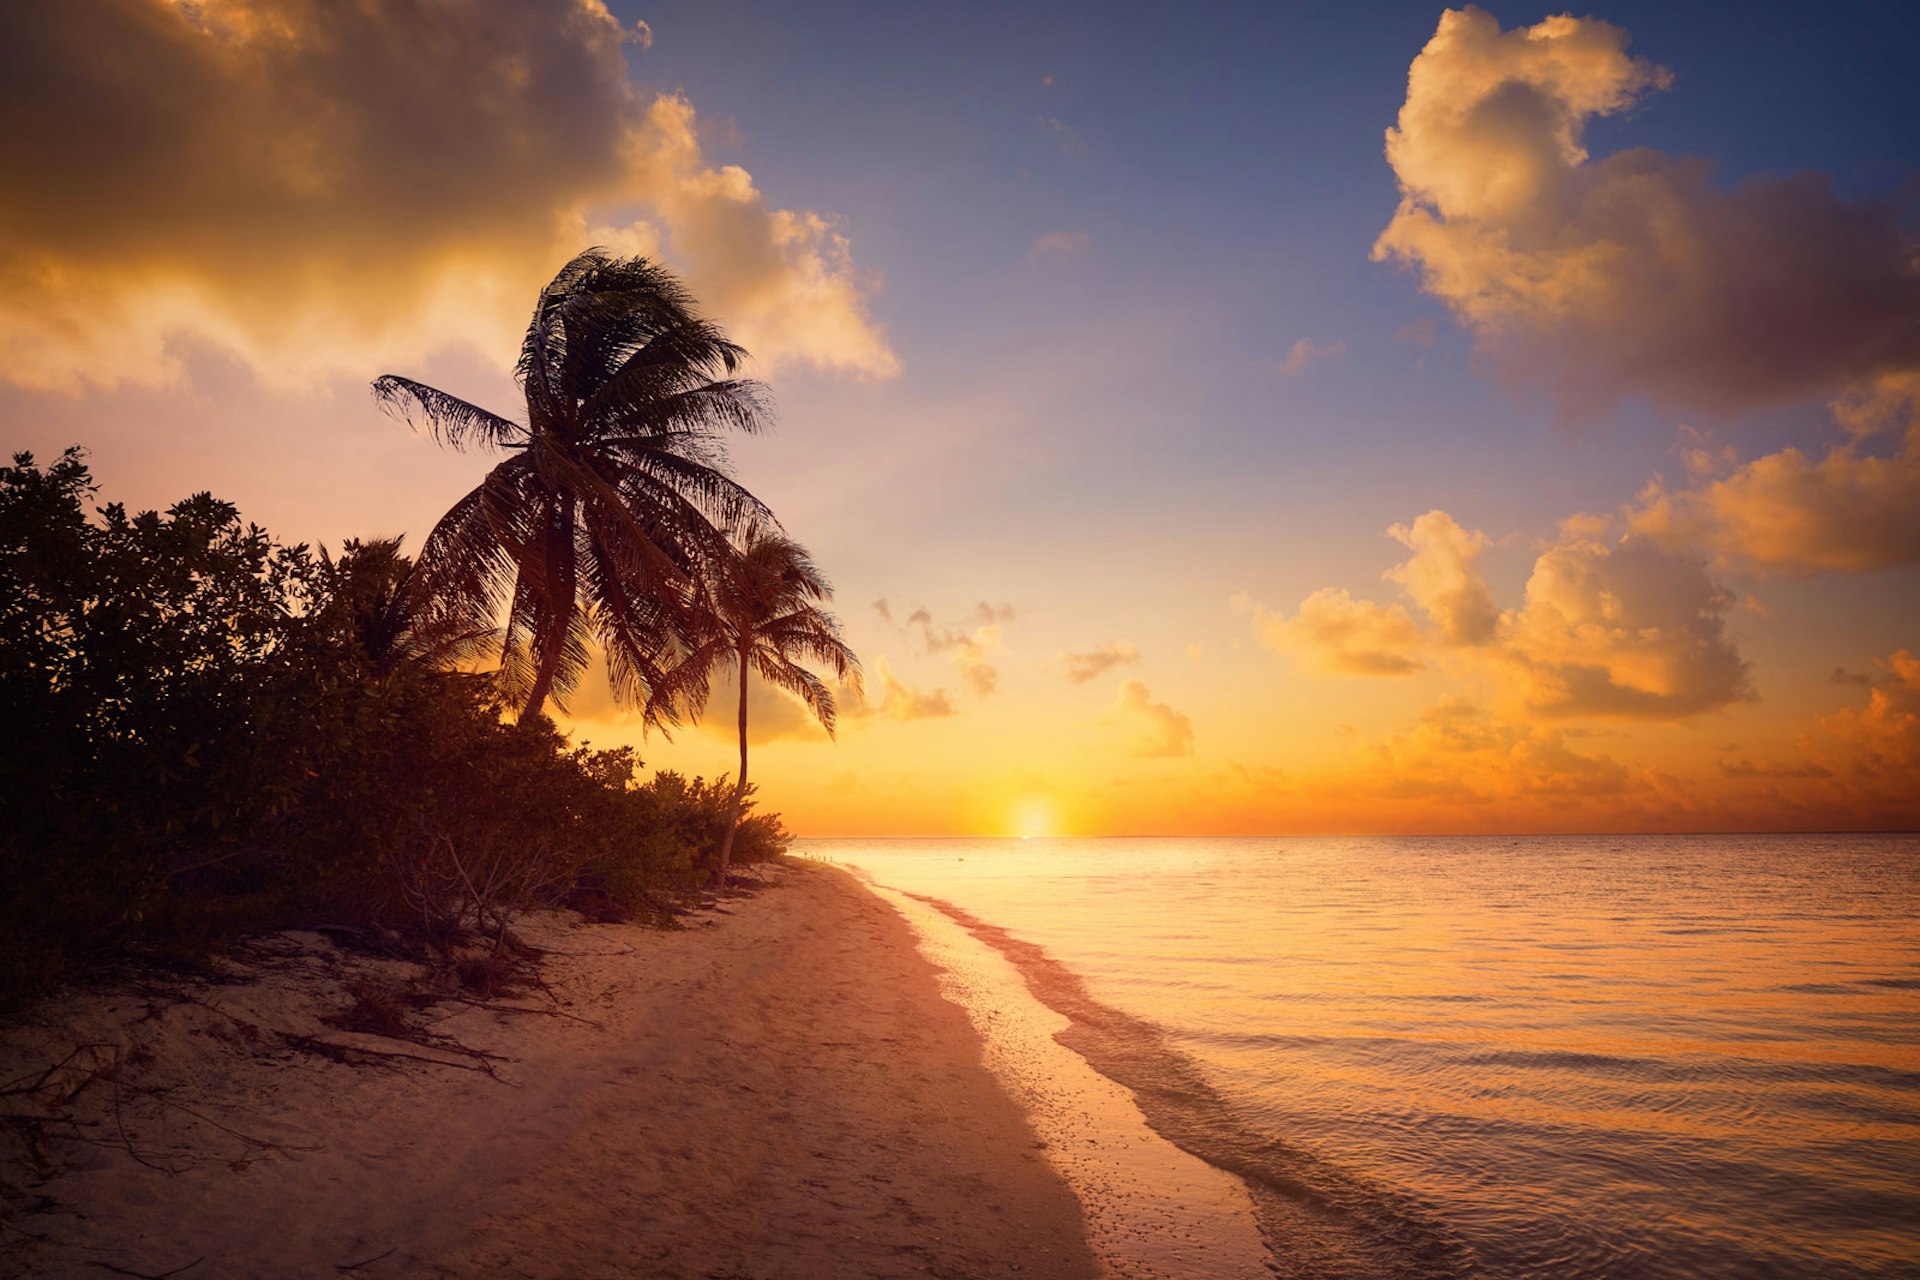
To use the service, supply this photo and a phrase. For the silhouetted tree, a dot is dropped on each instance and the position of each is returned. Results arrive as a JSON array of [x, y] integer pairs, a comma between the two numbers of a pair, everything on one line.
[[369, 607], [760, 613], [614, 494]]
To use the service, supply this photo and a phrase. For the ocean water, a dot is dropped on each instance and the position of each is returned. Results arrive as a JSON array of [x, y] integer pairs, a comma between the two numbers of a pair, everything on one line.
[[1506, 1057]]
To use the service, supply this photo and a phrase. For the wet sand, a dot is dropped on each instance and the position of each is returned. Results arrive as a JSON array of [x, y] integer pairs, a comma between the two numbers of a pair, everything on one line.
[[780, 1092]]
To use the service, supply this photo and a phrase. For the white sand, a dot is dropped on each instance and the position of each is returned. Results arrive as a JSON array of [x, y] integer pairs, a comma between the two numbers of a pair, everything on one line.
[[780, 1092], [1152, 1209]]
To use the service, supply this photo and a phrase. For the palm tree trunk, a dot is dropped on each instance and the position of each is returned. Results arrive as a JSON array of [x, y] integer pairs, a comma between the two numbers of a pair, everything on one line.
[[542, 681], [560, 601], [739, 787]]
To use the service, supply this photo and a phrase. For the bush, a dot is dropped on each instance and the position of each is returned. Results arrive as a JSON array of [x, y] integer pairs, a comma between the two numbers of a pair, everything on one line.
[[211, 732]]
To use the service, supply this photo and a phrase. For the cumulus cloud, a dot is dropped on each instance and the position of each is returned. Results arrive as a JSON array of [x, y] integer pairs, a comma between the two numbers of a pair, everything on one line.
[[1880, 742], [898, 700], [1787, 513], [1154, 729], [784, 280], [1631, 273], [1082, 667], [1338, 633], [1444, 578], [1625, 629], [1608, 625], [317, 187], [1305, 352], [1457, 752]]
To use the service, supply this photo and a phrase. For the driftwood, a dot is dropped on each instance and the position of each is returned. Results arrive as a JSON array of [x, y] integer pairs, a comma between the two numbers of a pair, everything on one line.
[[346, 1053], [145, 1275], [365, 1262]]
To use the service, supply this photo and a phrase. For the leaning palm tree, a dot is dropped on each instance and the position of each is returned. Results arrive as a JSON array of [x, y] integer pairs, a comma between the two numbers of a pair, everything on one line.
[[759, 614], [613, 495]]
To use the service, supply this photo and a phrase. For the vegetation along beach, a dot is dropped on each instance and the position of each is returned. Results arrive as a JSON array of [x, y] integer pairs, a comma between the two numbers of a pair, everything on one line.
[[869, 640]]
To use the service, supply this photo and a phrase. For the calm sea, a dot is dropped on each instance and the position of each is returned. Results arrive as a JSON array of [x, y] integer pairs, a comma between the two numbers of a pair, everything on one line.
[[1543, 1057]]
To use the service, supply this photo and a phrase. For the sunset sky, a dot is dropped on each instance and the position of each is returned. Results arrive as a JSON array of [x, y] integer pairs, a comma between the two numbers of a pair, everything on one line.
[[1248, 419]]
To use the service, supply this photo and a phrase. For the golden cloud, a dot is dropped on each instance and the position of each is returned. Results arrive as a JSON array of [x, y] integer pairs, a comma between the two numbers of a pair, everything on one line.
[[783, 280], [1444, 578], [1880, 742], [971, 651], [1082, 667], [898, 700], [1632, 273], [1850, 511], [317, 187], [1625, 629], [1457, 753], [773, 714], [1154, 728], [1341, 634]]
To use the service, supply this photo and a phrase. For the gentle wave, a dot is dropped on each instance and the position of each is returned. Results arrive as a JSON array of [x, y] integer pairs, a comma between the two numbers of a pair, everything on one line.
[[1688, 1058], [1319, 1220]]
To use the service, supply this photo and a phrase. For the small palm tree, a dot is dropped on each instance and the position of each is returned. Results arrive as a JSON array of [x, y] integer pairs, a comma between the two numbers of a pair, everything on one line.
[[760, 614], [369, 604], [614, 494]]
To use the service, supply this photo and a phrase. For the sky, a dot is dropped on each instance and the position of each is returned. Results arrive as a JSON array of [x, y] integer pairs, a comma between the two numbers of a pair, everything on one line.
[[1261, 419]]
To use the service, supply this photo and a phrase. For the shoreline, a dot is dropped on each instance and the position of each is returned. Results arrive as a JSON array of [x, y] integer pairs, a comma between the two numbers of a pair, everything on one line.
[[1154, 1207], [780, 1089]]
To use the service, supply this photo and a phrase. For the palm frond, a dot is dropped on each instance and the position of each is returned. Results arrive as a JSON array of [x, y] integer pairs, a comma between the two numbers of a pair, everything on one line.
[[612, 517], [449, 419], [797, 680]]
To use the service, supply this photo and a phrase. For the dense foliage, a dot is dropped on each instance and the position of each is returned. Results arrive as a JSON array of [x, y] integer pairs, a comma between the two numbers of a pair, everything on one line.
[[209, 731]]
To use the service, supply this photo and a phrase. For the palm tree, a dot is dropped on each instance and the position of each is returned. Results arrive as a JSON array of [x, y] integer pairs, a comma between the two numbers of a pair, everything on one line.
[[614, 493], [761, 614], [368, 603]]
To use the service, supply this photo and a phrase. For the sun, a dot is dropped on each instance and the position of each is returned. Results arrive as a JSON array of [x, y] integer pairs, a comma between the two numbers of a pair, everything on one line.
[[1034, 816]]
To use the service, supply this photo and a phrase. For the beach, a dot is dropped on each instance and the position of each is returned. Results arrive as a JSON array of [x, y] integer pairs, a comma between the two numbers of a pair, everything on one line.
[[778, 1089]]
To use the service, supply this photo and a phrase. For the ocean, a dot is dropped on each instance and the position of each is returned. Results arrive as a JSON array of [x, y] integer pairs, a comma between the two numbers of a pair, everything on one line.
[[1569, 1057]]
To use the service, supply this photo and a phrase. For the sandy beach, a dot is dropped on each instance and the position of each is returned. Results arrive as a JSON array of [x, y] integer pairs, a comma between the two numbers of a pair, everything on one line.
[[777, 1090]]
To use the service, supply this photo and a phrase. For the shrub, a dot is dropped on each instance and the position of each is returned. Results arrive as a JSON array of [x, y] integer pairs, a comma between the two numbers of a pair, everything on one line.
[[211, 732]]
